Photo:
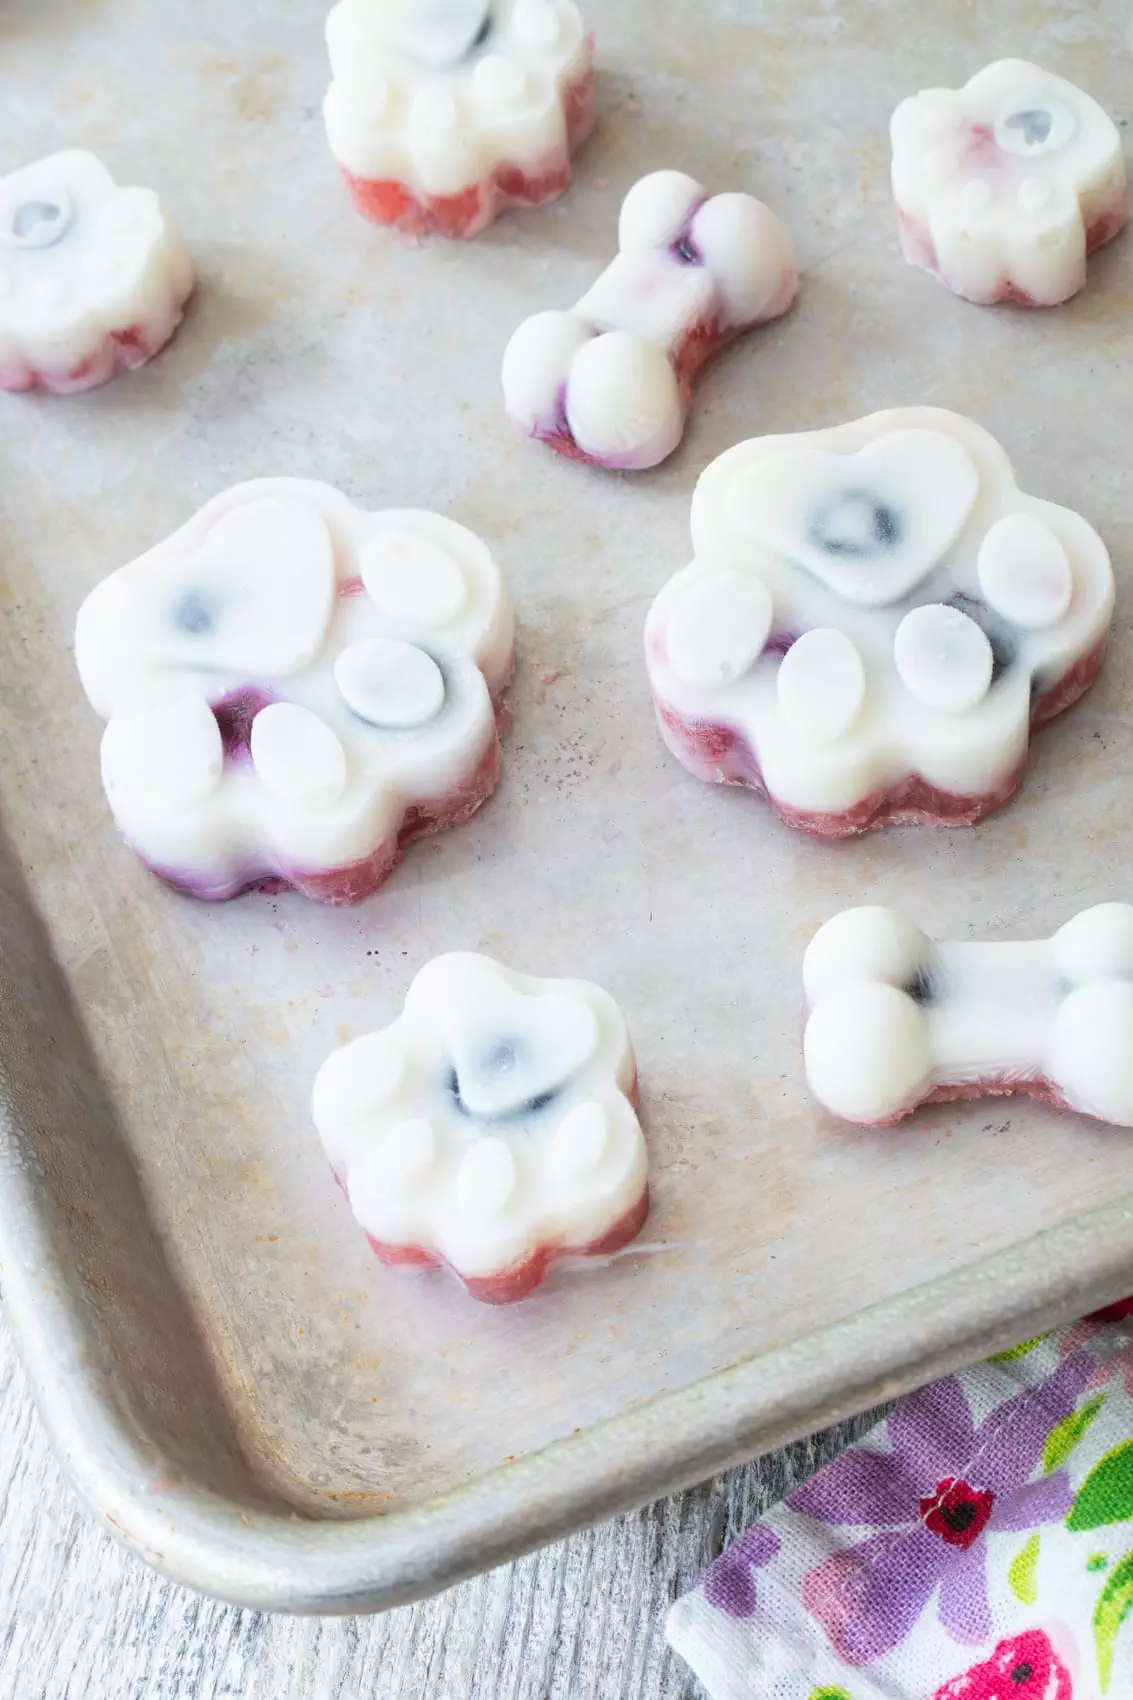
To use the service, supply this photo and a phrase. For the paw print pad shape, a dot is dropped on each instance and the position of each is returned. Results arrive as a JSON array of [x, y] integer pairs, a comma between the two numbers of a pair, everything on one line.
[[1004, 187], [295, 689], [875, 618], [443, 113], [491, 1129], [93, 277], [897, 1020], [610, 381]]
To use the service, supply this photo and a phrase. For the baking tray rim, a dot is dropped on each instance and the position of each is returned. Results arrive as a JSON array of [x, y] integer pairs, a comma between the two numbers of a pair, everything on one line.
[[294, 1563]]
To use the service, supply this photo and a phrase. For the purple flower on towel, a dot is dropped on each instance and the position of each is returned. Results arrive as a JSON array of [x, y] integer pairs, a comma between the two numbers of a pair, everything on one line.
[[936, 1496], [730, 1585]]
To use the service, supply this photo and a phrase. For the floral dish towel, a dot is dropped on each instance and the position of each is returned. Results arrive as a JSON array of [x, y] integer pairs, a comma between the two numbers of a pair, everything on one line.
[[977, 1546]]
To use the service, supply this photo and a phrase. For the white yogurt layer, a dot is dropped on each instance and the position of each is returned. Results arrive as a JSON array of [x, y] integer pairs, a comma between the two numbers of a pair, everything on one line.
[[894, 1015], [1003, 186], [874, 601], [605, 372], [439, 94], [369, 645], [493, 1118], [81, 261]]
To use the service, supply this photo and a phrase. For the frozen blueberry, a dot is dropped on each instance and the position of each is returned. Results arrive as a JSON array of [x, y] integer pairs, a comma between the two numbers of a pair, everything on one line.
[[40, 224], [1034, 125], [857, 525], [194, 614]]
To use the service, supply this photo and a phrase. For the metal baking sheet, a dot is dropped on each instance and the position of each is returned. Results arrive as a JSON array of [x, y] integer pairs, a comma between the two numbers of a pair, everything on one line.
[[238, 1388]]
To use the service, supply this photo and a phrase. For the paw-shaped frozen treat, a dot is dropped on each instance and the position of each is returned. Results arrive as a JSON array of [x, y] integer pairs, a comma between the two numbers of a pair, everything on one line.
[[1005, 186], [443, 113], [491, 1129], [295, 690], [875, 618], [610, 381], [897, 1020], [93, 277]]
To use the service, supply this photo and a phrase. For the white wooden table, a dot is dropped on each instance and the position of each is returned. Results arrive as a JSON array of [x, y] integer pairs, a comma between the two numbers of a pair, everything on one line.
[[80, 1619]]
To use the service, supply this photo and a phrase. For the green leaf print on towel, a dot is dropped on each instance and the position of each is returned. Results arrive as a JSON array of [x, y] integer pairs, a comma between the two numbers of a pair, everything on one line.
[[1064, 1436], [1106, 1495], [1021, 1350], [1021, 1576], [1110, 1613]]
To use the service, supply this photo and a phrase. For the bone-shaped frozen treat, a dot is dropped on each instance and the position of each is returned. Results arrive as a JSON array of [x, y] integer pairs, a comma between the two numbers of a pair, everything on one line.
[[491, 1129], [1005, 186], [897, 1020], [295, 689], [611, 380], [875, 618], [93, 277], [443, 113]]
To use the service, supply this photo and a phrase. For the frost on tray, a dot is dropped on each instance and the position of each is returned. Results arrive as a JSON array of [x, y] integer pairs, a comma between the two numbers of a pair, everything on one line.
[[491, 1128], [1005, 186], [93, 277], [295, 689], [897, 1020], [443, 113], [875, 618], [610, 381]]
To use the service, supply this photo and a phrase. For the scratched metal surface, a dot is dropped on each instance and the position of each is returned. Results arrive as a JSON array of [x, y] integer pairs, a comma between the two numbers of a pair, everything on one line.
[[200, 1271]]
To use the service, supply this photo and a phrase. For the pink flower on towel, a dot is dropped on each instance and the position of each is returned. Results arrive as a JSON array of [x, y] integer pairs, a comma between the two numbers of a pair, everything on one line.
[[1119, 1364], [1024, 1668]]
